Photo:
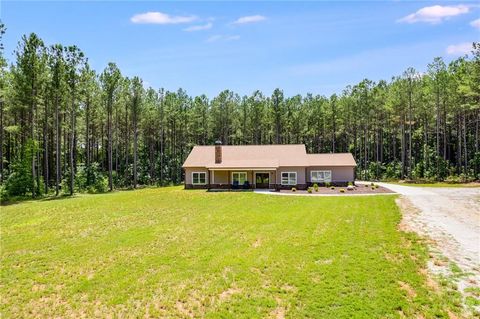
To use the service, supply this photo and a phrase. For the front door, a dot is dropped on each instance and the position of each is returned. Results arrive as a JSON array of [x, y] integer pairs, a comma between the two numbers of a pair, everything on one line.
[[262, 180]]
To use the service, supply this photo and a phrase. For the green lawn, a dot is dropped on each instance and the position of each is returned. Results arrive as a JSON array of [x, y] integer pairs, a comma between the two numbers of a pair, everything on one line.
[[175, 253]]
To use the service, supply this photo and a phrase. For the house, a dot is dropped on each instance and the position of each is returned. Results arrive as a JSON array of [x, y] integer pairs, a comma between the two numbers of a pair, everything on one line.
[[265, 166]]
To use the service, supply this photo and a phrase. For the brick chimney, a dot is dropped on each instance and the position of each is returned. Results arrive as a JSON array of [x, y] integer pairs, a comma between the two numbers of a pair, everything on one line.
[[218, 152]]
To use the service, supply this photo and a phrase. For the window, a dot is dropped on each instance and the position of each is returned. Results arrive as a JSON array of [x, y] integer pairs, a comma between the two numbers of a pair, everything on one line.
[[199, 178], [240, 177], [289, 178], [321, 176]]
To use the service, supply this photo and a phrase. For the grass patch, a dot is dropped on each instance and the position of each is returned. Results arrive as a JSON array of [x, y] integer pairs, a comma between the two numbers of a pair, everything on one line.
[[167, 252]]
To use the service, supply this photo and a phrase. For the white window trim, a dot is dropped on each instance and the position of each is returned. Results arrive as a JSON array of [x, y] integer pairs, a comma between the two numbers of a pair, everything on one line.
[[241, 172], [320, 181], [193, 183], [281, 178]]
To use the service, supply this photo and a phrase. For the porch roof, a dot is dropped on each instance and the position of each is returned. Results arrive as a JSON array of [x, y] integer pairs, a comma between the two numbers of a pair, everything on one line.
[[245, 163]]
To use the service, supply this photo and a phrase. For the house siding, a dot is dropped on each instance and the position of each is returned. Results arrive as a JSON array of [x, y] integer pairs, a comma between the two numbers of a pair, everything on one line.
[[340, 174], [188, 177], [221, 177], [301, 181]]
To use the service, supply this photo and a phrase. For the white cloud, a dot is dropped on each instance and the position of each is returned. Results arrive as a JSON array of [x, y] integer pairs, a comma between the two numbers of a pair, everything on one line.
[[460, 48], [435, 14], [475, 23], [219, 37], [160, 18], [232, 38], [207, 26], [249, 19]]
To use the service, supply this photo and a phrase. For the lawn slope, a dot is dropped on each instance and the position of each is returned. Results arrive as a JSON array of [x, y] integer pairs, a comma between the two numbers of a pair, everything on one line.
[[174, 253]]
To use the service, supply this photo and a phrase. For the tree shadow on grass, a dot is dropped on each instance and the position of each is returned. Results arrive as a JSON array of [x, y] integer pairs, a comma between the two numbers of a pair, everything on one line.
[[22, 199]]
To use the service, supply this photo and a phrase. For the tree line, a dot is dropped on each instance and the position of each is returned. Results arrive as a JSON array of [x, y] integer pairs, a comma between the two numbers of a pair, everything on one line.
[[65, 128]]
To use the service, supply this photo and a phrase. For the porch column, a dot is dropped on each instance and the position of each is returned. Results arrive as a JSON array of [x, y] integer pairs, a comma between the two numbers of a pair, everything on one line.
[[209, 184]]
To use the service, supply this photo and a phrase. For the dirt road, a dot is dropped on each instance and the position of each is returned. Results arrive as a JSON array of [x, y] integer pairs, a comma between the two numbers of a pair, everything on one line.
[[451, 218]]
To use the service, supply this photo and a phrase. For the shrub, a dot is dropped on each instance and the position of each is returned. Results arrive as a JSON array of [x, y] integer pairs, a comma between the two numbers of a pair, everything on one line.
[[99, 186], [3, 194], [350, 184], [375, 171], [87, 179], [366, 185], [372, 184], [19, 183], [333, 187], [309, 190], [20, 180], [294, 189], [315, 187], [373, 188], [91, 179], [342, 190], [462, 178], [376, 186], [393, 170], [328, 184]]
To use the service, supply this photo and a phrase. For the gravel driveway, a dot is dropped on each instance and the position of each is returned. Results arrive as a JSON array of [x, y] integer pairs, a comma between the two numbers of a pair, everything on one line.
[[451, 218]]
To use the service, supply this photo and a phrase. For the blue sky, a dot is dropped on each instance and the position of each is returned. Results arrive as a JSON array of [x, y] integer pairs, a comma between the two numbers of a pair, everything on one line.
[[206, 47]]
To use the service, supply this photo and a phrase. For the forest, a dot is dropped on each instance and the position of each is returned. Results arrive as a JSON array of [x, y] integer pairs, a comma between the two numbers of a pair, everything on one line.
[[65, 128]]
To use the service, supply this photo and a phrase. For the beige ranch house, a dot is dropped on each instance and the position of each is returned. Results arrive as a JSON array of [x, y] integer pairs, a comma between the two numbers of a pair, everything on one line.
[[265, 166]]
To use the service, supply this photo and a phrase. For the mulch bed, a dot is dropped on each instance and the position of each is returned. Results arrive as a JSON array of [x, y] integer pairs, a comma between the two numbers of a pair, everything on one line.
[[359, 189]]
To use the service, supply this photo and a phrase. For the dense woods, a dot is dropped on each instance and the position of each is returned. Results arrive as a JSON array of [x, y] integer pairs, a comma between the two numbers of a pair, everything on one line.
[[65, 128]]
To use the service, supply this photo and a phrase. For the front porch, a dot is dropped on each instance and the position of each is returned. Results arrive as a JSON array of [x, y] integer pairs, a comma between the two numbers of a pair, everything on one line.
[[241, 179]]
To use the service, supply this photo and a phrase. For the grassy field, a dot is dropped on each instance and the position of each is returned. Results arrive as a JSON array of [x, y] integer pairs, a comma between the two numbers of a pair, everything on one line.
[[174, 253]]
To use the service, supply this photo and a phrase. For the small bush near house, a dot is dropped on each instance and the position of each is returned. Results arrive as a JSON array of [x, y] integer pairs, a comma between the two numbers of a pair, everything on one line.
[[366, 185], [376, 186], [342, 190], [310, 190], [372, 184], [294, 189], [350, 184], [315, 187], [333, 187], [328, 184]]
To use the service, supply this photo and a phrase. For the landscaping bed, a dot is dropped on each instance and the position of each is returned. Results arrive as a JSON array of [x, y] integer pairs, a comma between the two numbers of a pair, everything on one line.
[[334, 190]]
